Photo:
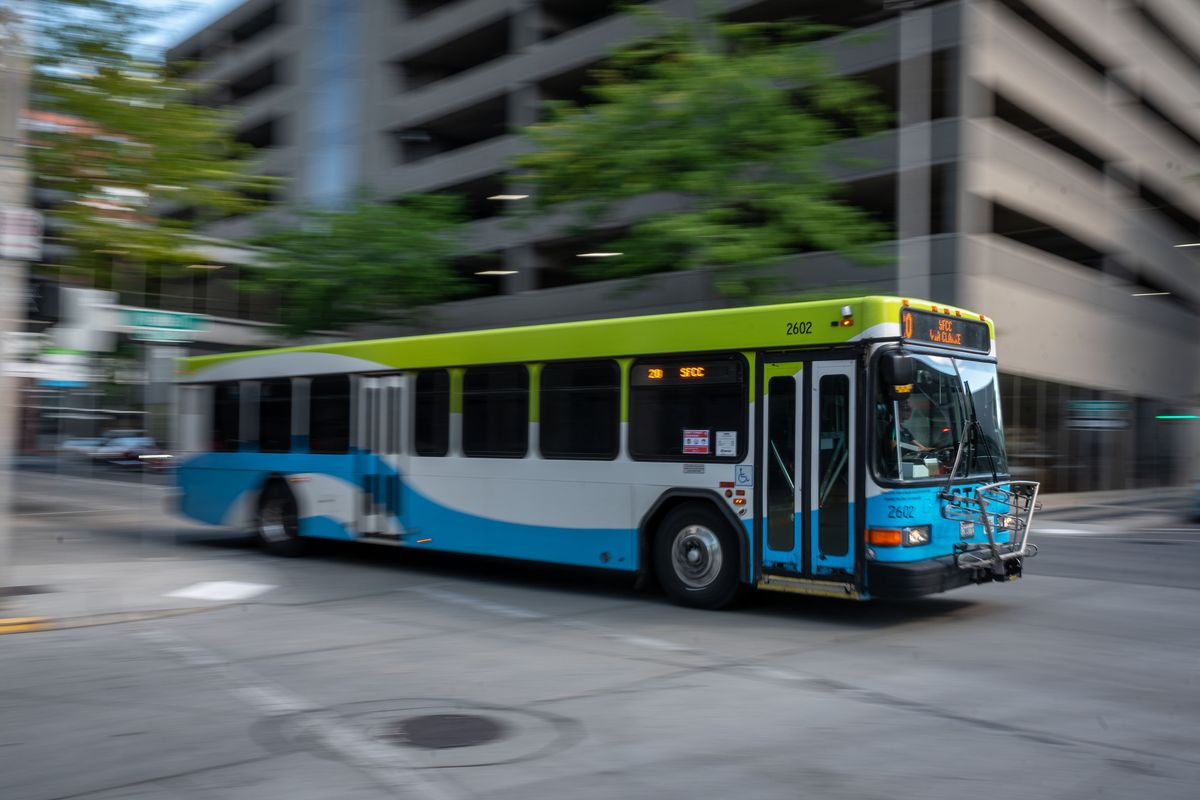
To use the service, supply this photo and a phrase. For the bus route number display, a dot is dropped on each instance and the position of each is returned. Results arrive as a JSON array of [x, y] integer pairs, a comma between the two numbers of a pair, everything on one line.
[[684, 373], [922, 326]]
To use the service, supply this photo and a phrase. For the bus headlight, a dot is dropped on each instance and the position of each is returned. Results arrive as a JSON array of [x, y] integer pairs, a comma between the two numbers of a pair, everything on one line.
[[916, 535]]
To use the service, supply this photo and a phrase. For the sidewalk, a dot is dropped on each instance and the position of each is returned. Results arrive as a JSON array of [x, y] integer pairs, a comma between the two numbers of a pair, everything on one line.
[[1149, 497], [90, 551]]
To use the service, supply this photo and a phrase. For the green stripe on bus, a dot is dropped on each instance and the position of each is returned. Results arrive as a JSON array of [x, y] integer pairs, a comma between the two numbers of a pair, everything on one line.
[[738, 329]]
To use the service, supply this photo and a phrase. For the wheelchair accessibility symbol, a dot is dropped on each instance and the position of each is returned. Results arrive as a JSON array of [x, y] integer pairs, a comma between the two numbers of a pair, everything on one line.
[[744, 475]]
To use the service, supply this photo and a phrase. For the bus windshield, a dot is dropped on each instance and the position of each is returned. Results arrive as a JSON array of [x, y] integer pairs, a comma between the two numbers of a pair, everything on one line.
[[918, 435]]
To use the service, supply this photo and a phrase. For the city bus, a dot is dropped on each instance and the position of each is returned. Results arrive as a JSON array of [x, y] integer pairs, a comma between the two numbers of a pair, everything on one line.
[[849, 448]]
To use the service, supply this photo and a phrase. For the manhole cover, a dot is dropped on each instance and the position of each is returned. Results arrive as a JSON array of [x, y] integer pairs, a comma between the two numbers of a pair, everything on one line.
[[443, 731]]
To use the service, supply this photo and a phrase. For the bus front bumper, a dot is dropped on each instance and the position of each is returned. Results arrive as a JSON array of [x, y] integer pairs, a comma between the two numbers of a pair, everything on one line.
[[899, 581]]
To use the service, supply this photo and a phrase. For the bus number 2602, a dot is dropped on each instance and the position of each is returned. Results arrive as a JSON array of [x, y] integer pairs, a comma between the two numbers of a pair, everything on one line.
[[799, 328]]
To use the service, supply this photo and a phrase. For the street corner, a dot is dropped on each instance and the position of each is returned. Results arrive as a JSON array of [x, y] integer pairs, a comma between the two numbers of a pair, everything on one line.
[[42, 624]]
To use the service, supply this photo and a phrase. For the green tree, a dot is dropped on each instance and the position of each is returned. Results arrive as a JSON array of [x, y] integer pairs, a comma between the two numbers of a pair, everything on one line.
[[134, 161], [738, 119], [366, 262]]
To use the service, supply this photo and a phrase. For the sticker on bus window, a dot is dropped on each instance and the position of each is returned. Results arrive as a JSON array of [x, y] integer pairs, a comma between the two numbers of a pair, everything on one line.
[[726, 443], [743, 474], [695, 441]]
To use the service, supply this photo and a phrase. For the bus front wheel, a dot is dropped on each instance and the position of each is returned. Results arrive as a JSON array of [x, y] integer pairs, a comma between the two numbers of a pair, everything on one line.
[[696, 557], [278, 521]]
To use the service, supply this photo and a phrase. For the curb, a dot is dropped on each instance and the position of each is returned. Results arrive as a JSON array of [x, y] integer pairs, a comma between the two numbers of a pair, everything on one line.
[[22, 624], [35, 624]]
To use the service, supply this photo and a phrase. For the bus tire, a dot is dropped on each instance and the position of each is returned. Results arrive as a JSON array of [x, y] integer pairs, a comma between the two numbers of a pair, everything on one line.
[[278, 521], [696, 557]]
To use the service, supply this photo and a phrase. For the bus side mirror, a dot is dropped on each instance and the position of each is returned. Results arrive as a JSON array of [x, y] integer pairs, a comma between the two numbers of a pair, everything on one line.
[[896, 369]]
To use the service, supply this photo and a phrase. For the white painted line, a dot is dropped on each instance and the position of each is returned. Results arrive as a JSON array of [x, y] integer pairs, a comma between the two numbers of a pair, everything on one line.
[[777, 674], [482, 605], [653, 644], [390, 766], [222, 591], [272, 701], [1108, 534], [84, 511]]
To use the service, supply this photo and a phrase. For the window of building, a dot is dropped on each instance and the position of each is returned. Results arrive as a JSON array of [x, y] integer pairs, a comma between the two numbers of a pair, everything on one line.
[[1018, 117], [688, 409], [226, 417], [495, 412], [431, 434], [580, 410], [1043, 236], [329, 414], [1042, 25], [275, 416], [1164, 29]]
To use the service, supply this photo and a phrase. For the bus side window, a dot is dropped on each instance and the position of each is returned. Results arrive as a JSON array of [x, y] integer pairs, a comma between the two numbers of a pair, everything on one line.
[[226, 416], [688, 409], [329, 414], [431, 414], [580, 410], [275, 416], [495, 411]]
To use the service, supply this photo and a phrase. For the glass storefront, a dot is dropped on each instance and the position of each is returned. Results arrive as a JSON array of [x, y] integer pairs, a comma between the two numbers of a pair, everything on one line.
[[1075, 439]]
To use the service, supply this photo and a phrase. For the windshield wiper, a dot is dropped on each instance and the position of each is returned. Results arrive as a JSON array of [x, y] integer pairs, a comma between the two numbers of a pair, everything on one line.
[[974, 433], [978, 434], [965, 433]]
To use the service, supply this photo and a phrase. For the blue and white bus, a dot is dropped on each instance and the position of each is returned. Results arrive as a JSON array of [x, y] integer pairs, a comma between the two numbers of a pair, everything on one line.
[[849, 448]]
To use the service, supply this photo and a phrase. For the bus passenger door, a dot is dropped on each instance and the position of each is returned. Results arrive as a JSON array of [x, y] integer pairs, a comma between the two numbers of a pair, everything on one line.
[[829, 500], [783, 545], [380, 423]]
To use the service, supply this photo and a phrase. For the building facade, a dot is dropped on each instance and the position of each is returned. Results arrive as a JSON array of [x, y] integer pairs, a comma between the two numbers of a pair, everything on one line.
[[1042, 168]]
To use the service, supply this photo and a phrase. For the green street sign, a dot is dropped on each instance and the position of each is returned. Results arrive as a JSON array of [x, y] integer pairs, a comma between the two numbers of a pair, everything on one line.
[[161, 335], [164, 320]]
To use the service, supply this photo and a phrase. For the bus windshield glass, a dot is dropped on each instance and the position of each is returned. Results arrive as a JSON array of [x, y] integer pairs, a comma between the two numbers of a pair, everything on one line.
[[918, 431]]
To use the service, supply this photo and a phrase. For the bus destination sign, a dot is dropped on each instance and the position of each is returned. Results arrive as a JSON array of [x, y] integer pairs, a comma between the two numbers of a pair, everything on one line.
[[923, 326], [675, 374]]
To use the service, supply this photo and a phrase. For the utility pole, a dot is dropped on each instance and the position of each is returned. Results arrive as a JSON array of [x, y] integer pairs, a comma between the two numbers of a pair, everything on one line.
[[15, 236]]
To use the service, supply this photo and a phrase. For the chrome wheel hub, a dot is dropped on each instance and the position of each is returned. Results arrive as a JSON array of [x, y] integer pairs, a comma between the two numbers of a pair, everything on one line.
[[696, 556], [270, 523]]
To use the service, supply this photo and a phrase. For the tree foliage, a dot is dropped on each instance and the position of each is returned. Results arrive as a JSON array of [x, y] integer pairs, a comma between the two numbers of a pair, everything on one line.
[[363, 263], [120, 143], [736, 119]]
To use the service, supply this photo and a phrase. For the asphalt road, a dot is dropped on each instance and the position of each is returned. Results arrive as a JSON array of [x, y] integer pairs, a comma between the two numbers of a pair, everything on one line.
[[344, 675]]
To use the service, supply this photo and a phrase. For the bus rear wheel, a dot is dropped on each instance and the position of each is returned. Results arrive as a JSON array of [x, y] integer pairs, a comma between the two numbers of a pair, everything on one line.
[[278, 521], [696, 557]]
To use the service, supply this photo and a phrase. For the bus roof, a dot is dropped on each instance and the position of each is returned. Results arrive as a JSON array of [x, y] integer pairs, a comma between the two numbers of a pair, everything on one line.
[[784, 325]]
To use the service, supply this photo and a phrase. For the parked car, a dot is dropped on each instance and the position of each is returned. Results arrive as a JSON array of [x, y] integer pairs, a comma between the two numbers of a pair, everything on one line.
[[80, 447], [132, 451]]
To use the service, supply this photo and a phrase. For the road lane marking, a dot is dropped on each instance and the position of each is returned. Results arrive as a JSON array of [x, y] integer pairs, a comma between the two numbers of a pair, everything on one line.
[[84, 511], [390, 766], [221, 591], [512, 612], [473, 602]]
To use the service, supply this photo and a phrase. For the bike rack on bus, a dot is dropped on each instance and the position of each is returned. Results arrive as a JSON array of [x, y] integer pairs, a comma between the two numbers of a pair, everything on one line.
[[1008, 506]]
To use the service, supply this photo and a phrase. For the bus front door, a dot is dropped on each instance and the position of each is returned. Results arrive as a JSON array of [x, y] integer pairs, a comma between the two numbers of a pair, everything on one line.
[[380, 415], [808, 450]]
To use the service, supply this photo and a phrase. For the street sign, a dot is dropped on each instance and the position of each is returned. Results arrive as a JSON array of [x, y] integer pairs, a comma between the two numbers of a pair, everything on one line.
[[1098, 414], [163, 326], [20, 234], [163, 336]]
